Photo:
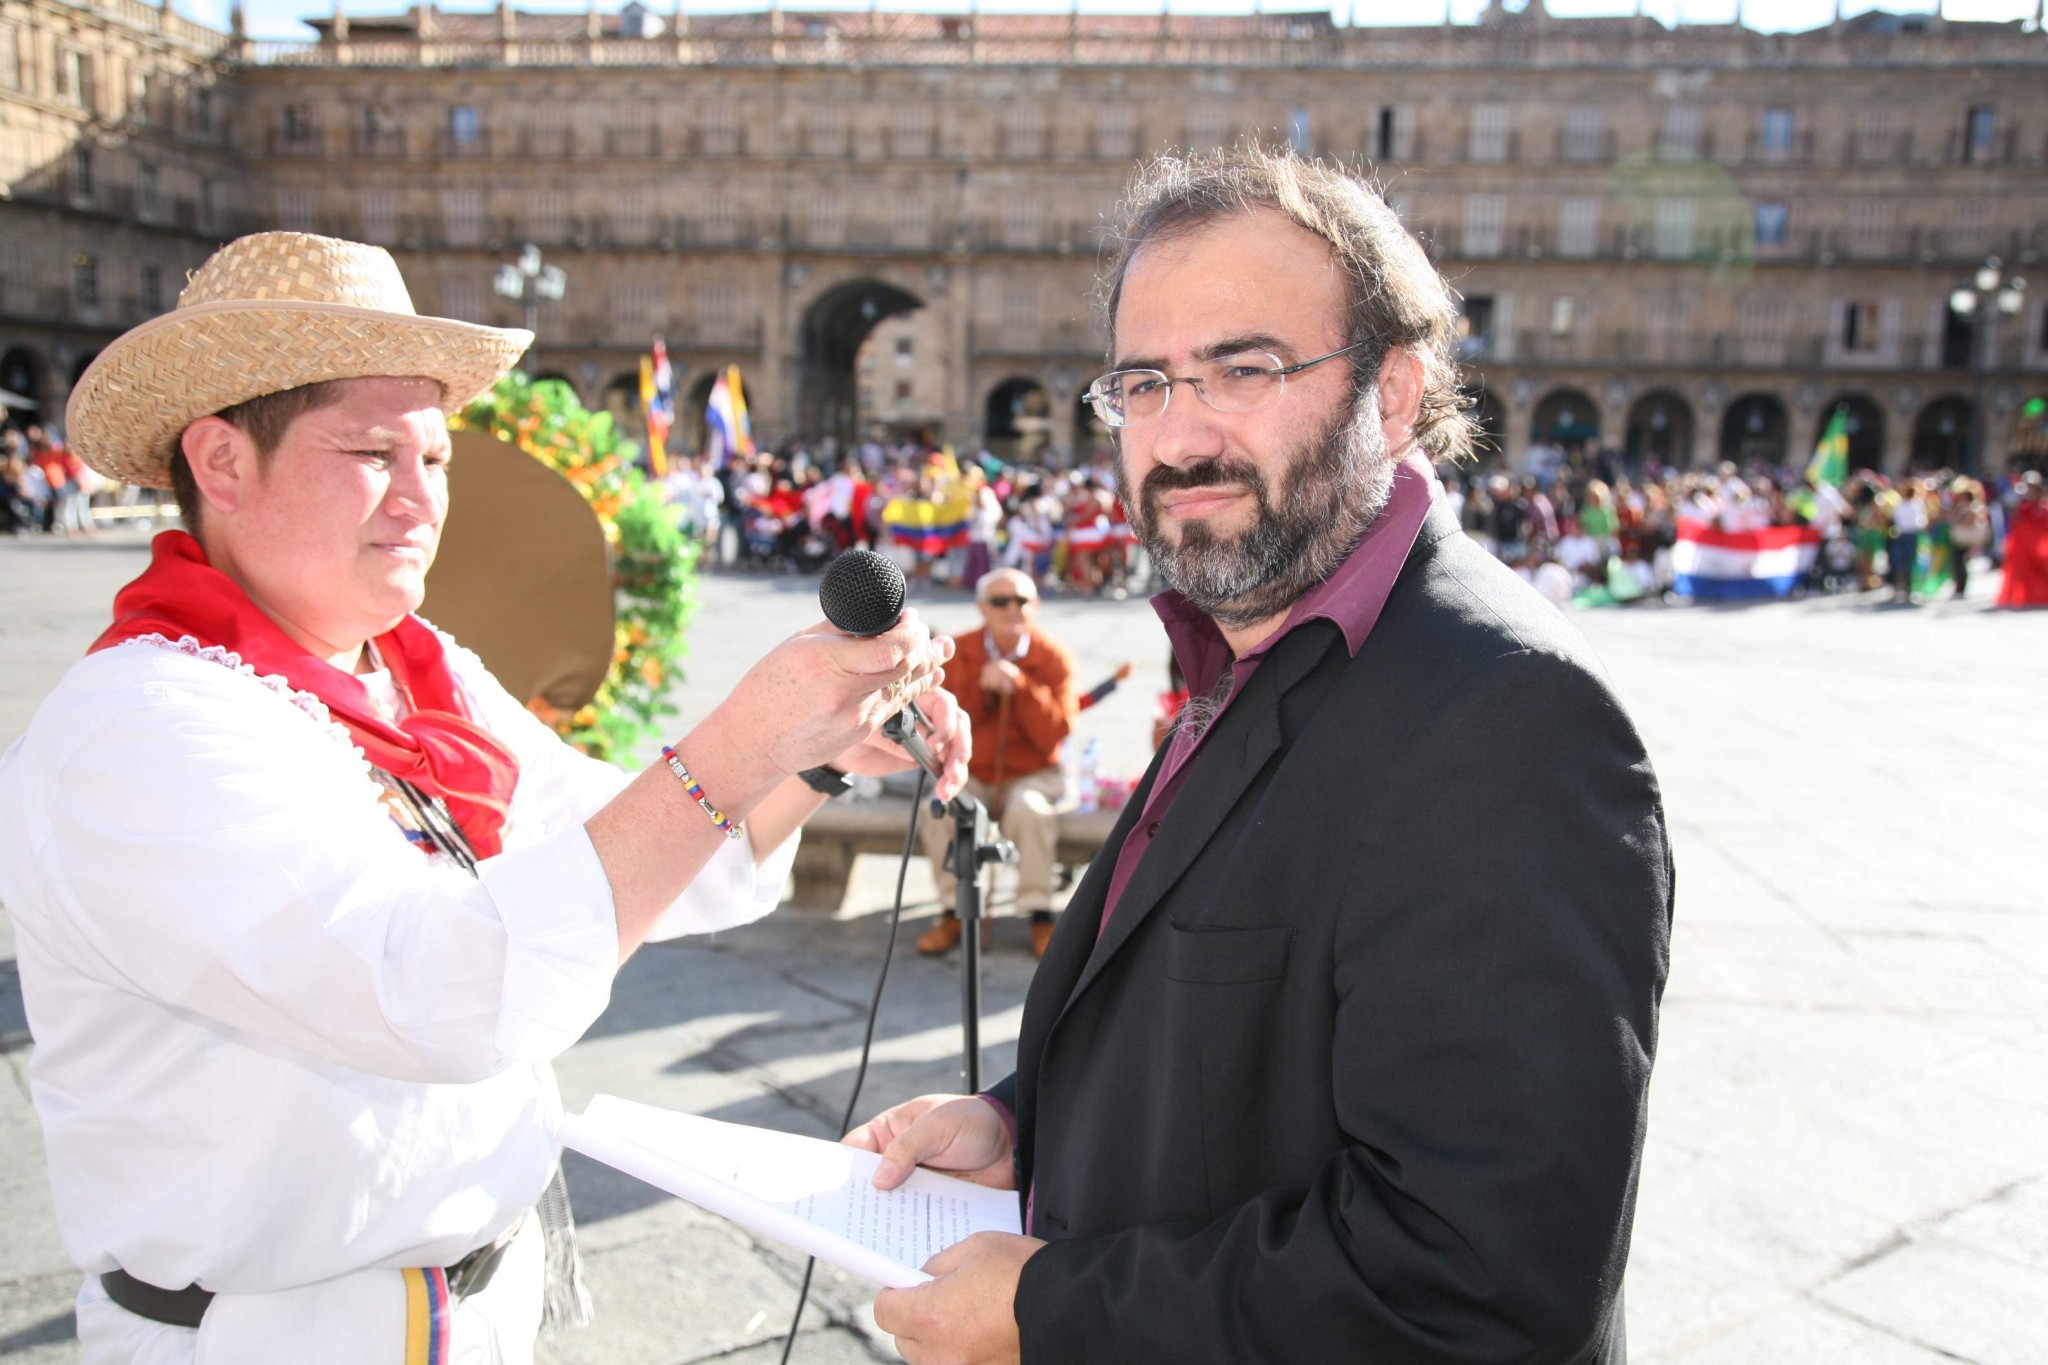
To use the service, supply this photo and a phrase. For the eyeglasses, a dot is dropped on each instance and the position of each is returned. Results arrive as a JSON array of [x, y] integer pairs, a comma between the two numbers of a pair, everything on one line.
[[1005, 603], [1244, 382]]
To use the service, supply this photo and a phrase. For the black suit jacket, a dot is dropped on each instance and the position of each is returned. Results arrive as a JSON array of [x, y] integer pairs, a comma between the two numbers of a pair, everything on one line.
[[1357, 1072]]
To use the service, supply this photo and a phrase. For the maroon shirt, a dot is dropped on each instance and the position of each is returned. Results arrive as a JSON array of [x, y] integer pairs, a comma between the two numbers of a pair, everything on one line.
[[1352, 597]]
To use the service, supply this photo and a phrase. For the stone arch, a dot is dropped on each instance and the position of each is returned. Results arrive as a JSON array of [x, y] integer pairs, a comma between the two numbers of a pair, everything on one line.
[[1756, 429], [1866, 428], [1942, 433], [1017, 421], [2026, 446], [1660, 429], [834, 325], [1567, 417], [79, 367], [24, 373]]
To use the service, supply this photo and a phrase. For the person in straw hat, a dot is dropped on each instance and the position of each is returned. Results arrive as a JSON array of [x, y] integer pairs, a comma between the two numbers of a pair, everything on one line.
[[305, 901]]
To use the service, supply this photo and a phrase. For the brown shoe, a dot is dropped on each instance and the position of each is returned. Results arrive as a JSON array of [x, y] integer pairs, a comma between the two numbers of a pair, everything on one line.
[[942, 937], [1041, 934]]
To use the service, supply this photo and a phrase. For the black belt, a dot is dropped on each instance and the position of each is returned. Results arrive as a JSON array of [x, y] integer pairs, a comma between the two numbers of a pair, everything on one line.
[[186, 1307]]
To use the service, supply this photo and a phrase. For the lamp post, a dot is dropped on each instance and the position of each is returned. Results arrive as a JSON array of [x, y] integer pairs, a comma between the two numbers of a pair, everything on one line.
[[532, 282], [1981, 298]]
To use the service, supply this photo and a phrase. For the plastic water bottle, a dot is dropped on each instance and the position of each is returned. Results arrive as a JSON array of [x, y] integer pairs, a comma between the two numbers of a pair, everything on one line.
[[1088, 788]]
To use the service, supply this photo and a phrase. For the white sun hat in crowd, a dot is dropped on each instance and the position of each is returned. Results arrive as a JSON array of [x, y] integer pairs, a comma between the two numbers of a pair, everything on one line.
[[269, 312]]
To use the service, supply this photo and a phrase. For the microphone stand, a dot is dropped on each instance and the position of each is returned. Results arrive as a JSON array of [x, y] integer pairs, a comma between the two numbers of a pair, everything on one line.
[[976, 844]]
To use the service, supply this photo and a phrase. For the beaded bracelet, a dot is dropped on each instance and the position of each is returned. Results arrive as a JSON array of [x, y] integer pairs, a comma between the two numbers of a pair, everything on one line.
[[696, 791]]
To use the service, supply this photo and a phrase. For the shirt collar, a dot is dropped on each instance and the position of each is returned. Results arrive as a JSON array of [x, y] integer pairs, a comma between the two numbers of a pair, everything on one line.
[[1351, 598], [988, 639]]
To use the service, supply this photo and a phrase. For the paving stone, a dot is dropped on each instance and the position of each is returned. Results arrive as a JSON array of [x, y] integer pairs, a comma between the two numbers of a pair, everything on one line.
[[1953, 1298]]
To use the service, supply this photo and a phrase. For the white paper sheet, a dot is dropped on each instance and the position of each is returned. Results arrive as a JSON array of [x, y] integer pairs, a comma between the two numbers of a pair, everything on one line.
[[816, 1196]]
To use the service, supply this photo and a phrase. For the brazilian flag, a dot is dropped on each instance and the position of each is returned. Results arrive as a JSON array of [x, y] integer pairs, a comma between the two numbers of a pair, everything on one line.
[[1830, 462]]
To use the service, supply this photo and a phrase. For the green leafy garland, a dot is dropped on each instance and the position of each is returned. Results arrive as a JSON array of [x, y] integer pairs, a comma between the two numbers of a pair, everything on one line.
[[653, 564]]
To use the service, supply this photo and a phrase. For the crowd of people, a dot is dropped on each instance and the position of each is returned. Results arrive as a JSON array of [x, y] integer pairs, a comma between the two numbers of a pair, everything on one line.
[[1581, 526], [44, 486]]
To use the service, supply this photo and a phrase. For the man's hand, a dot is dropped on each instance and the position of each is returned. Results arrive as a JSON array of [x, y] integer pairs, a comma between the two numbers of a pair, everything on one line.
[[966, 1314], [949, 737], [1000, 675], [960, 1135]]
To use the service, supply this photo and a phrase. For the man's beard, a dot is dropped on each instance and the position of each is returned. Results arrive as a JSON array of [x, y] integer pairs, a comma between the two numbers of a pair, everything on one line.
[[1332, 489]]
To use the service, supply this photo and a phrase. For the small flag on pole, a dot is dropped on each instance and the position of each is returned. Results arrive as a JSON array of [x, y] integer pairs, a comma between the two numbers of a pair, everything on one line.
[[658, 402], [730, 434], [1830, 462]]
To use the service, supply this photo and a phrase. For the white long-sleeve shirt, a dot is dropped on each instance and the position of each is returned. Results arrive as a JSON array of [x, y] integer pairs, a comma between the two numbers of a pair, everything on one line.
[[275, 1043]]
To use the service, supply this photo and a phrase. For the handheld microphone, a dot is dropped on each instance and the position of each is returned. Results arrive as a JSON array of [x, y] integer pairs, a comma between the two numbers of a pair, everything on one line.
[[862, 593]]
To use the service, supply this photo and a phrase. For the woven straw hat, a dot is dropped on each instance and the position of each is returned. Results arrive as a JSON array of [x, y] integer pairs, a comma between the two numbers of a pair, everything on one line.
[[270, 312]]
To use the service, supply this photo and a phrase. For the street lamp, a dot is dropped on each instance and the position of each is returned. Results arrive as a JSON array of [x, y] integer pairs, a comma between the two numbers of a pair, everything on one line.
[[532, 282], [1985, 295]]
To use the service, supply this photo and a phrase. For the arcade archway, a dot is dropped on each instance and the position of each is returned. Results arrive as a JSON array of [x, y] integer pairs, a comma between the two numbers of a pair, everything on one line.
[[1660, 430], [1755, 430], [1016, 422], [1866, 428], [1941, 434], [1091, 437], [833, 328], [1566, 417], [21, 374], [696, 401]]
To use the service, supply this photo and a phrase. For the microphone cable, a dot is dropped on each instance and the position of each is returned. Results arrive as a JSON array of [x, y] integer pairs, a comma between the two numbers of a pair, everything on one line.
[[867, 1042]]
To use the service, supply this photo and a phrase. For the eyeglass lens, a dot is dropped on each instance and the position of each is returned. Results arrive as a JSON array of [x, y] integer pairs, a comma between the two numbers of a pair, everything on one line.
[[1005, 603], [1232, 383]]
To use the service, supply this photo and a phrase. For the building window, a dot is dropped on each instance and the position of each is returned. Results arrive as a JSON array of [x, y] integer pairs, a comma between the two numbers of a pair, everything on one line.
[[1484, 215], [827, 221], [912, 221], [1877, 133], [547, 216], [206, 206], [633, 310], [1020, 310], [465, 127], [721, 129], [84, 177], [913, 135], [1561, 311], [202, 111], [297, 125], [85, 280], [1384, 139], [1980, 133], [148, 192], [1475, 325], [463, 300], [10, 58], [295, 210], [1778, 132], [1583, 140], [902, 393], [380, 217], [633, 215], [1681, 135], [1859, 327], [1771, 220], [906, 350], [721, 217], [1117, 131], [1298, 131], [1208, 126], [1870, 228], [828, 130], [74, 73], [718, 307], [153, 289], [1023, 222], [1024, 130], [462, 217], [1487, 139], [1674, 235], [1578, 226]]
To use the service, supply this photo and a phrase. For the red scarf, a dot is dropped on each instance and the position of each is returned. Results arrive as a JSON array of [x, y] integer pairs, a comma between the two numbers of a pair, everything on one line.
[[438, 747]]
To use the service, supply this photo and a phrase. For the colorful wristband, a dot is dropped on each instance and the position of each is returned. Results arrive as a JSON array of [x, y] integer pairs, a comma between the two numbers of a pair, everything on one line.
[[696, 791]]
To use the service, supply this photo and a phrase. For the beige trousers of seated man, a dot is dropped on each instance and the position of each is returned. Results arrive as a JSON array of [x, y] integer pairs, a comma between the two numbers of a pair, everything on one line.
[[1030, 820]]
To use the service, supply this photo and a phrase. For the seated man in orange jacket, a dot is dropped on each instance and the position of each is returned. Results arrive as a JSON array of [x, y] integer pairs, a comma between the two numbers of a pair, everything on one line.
[[1015, 684]]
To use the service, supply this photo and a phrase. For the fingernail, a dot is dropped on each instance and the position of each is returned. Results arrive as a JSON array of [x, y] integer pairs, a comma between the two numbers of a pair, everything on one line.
[[885, 1171]]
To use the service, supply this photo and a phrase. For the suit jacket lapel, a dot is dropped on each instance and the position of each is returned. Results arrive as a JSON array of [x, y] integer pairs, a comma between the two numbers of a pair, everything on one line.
[[1245, 738]]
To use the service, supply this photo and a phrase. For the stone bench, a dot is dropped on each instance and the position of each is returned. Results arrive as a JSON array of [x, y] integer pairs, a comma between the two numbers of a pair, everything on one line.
[[846, 828]]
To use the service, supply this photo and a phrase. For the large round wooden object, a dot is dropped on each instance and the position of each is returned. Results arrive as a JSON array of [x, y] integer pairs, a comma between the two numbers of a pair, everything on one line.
[[524, 576]]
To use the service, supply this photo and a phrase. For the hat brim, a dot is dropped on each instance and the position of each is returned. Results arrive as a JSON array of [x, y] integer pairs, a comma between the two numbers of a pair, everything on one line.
[[155, 380]]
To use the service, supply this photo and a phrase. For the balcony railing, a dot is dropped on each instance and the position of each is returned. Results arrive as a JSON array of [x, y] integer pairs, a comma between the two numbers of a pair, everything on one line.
[[1631, 349]]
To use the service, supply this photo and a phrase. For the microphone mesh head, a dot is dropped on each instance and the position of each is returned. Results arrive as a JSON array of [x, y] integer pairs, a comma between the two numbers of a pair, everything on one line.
[[862, 592]]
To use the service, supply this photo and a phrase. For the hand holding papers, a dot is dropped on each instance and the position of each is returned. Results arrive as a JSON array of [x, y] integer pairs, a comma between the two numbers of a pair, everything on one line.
[[816, 1196]]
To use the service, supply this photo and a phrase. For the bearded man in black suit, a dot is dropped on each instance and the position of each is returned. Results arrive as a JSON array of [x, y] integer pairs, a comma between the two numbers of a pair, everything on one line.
[[1342, 1048]]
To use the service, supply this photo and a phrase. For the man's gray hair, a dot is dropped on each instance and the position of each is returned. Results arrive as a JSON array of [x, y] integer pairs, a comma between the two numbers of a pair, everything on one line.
[[1397, 298]]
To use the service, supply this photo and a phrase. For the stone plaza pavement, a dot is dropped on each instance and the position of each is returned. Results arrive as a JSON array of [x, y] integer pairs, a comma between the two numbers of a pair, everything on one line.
[[1848, 1148]]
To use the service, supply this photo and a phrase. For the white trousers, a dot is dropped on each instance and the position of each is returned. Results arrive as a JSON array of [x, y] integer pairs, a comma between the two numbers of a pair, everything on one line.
[[356, 1319]]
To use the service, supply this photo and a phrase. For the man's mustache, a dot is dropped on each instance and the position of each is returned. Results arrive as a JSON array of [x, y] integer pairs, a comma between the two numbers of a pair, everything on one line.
[[1218, 473]]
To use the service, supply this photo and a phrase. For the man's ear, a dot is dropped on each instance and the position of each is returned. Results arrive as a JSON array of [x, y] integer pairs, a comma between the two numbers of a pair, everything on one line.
[[223, 461], [1400, 397]]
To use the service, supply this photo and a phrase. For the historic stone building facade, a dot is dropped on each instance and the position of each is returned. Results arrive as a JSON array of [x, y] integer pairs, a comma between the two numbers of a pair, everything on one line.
[[1688, 243]]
